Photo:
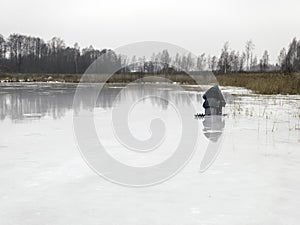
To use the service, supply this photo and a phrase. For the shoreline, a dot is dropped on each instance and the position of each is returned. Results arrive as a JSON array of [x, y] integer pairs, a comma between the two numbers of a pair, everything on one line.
[[260, 83]]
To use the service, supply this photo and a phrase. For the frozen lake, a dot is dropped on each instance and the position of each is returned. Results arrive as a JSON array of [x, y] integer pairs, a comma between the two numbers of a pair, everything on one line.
[[45, 180]]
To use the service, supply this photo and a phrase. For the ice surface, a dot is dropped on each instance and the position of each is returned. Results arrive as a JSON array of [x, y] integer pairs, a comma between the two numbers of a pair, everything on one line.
[[44, 179]]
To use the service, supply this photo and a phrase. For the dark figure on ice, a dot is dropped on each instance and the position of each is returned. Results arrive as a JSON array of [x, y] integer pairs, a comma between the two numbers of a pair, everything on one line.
[[214, 101]]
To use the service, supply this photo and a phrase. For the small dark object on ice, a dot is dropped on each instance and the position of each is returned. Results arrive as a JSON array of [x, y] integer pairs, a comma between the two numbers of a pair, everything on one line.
[[199, 115]]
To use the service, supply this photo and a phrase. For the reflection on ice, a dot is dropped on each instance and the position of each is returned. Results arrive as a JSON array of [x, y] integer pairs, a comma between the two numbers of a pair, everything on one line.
[[21, 102], [213, 127]]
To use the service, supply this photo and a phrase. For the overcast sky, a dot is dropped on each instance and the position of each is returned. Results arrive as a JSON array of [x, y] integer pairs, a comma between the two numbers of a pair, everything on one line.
[[197, 25]]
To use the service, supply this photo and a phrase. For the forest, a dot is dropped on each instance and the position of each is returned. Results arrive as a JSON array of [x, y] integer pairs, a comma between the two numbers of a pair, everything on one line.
[[26, 54]]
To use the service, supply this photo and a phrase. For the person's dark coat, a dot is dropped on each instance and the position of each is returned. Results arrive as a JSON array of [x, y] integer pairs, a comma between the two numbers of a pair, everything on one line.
[[214, 101]]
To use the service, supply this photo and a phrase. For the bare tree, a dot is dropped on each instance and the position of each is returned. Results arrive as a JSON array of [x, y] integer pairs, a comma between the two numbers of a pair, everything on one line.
[[165, 60], [76, 56], [293, 56], [248, 50], [254, 64], [282, 59], [201, 62], [264, 62], [165, 57], [208, 62], [234, 61], [2, 47], [189, 62], [214, 63], [177, 62], [242, 61], [224, 63]]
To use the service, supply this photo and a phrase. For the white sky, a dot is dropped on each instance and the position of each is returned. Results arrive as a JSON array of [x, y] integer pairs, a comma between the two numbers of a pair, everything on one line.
[[197, 25]]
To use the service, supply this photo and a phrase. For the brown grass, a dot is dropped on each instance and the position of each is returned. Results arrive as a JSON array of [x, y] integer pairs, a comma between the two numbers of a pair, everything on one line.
[[264, 83]]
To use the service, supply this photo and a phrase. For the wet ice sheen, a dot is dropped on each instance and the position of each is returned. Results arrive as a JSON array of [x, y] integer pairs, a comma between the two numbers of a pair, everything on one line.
[[44, 180]]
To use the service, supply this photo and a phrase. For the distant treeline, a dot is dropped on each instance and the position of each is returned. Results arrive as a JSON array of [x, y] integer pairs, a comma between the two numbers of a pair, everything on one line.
[[26, 54]]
